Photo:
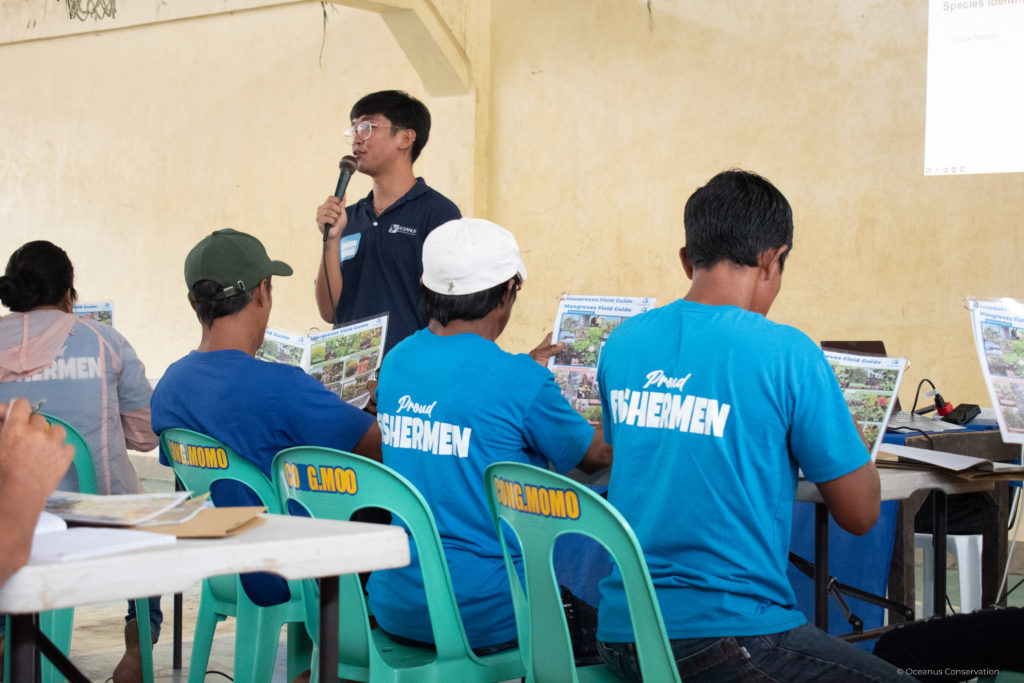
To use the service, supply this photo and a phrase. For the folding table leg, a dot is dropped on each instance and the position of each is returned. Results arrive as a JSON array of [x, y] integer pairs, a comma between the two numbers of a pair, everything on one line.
[[176, 646], [821, 566], [329, 629], [23, 665], [939, 529]]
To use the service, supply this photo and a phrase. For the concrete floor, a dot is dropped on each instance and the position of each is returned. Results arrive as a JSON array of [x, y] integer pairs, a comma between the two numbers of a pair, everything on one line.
[[97, 642]]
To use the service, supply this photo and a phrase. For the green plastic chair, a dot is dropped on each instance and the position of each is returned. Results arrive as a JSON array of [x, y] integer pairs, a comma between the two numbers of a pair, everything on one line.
[[199, 461], [539, 506], [348, 483], [83, 457], [57, 624]]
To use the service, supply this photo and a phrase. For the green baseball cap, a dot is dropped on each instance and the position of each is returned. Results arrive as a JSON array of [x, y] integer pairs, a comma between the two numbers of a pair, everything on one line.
[[235, 260]]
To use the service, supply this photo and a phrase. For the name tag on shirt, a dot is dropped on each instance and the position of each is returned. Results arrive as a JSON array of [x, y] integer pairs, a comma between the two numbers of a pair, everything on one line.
[[349, 246]]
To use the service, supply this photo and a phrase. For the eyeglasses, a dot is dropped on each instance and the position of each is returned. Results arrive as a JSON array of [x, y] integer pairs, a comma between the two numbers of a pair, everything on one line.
[[363, 131]]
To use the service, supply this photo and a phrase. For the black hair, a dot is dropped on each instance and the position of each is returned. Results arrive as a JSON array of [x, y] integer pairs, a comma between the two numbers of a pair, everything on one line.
[[402, 109], [445, 308], [736, 217], [38, 274], [210, 306]]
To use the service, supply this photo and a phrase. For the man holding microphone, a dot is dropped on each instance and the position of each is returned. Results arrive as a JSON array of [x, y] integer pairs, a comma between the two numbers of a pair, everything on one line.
[[371, 262]]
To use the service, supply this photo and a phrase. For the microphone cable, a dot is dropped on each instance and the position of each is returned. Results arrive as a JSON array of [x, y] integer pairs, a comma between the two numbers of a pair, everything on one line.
[[323, 268]]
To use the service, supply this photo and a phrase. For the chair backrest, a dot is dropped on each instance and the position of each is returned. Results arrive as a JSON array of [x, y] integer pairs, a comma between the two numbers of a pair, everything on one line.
[[200, 461], [539, 506], [83, 457], [332, 484]]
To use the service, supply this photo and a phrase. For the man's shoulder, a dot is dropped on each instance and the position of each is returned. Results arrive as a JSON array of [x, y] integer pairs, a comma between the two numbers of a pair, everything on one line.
[[739, 321], [246, 368], [722, 326], [430, 199], [102, 330], [280, 377], [522, 377], [420, 346], [523, 364], [787, 334], [221, 373]]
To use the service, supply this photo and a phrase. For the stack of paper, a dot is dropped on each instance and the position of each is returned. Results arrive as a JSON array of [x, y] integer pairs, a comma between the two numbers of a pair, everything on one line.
[[963, 466], [118, 510], [55, 542]]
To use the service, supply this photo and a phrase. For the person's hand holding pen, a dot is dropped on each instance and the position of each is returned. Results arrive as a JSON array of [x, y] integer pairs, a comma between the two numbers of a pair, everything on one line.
[[33, 458], [33, 454]]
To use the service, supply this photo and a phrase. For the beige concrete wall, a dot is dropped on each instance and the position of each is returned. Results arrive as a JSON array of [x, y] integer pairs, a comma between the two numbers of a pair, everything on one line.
[[126, 147], [591, 123], [609, 113]]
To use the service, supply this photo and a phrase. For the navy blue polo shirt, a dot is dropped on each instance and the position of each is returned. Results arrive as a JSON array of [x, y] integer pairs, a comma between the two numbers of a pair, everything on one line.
[[382, 259]]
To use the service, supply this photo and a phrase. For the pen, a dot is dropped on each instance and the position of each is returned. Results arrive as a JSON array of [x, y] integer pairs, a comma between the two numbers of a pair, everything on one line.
[[34, 408]]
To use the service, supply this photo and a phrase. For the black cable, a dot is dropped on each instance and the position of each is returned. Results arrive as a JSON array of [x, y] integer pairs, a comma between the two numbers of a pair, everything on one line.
[[327, 278], [1015, 506], [918, 393], [1015, 587], [931, 444]]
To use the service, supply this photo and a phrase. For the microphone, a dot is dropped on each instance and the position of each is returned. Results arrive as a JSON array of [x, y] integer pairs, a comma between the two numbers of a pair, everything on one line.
[[347, 165]]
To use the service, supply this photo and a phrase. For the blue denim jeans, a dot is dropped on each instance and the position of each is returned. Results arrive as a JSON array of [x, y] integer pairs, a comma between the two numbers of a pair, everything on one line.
[[156, 616], [804, 653]]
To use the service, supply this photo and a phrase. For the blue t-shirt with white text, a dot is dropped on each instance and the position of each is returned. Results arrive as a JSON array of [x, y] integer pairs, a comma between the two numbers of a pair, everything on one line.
[[710, 411], [448, 407]]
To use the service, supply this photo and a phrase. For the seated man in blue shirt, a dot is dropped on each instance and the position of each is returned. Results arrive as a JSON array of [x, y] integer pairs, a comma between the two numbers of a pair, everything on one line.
[[450, 403], [711, 409], [256, 407]]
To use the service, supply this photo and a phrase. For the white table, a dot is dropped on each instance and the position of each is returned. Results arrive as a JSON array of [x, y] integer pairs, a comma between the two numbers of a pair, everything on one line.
[[901, 484], [292, 547], [896, 484]]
